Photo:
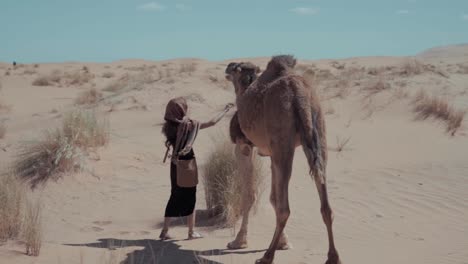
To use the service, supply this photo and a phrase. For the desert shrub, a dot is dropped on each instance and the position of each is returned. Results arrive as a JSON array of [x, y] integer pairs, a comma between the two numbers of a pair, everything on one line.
[[108, 75], [57, 77], [188, 68], [29, 72], [88, 97], [223, 188], [412, 67], [77, 77], [32, 228], [130, 82], [337, 65], [376, 86], [42, 81], [61, 151], [426, 106], [12, 196]]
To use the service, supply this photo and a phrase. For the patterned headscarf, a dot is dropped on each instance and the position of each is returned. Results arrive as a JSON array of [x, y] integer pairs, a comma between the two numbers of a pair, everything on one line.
[[176, 111]]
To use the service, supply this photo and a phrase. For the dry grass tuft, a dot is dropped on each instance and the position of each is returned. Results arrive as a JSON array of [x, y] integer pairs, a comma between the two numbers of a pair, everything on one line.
[[223, 187], [11, 205], [42, 81], [77, 78], [341, 144], [412, 67], [32, 228], [337, 65], [84, 129], [58, 78], [29, 72], [108, 75], [376, 87], [130, 82], [62, 150], [50, 157], [426, 106], [188, 68], [341, 88], [91, 96]]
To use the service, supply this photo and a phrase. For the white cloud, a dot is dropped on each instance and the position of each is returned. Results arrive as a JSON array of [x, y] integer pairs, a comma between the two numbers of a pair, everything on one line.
[[182, 7], [402, 12], [305, 10], [464, 17], [151, 6]]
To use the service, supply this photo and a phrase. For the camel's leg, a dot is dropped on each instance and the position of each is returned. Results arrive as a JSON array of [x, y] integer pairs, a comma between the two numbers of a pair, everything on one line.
[[244, 155], [281, 165], [327, 215], [283, 243]]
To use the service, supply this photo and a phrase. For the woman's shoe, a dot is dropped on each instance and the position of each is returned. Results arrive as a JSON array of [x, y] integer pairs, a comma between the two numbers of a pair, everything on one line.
[[194, 235]]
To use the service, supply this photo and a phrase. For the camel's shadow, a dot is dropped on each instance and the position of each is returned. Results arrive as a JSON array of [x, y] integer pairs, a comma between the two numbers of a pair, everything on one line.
[[156, 251]]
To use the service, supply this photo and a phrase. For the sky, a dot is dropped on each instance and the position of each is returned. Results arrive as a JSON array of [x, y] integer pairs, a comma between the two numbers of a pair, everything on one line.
[[109, 30]]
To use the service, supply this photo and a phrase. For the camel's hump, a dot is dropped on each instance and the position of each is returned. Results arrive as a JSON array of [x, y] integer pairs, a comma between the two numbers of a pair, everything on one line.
[[282, 62]]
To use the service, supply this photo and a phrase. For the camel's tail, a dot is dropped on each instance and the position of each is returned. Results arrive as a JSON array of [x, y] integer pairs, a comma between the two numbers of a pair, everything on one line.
[[312, 131]]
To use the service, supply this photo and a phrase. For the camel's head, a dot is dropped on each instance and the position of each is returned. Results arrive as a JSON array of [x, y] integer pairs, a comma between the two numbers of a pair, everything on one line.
[[241, 75]]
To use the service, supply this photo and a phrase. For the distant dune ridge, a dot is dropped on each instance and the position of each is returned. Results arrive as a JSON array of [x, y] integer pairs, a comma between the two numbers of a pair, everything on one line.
[[397, 135]]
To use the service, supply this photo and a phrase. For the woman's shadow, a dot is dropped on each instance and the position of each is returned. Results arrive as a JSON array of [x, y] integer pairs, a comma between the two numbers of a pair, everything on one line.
[[153, 251], [156, 251]]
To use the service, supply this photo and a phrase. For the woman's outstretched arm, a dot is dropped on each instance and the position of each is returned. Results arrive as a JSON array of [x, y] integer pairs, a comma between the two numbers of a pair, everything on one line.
[[217, 118]]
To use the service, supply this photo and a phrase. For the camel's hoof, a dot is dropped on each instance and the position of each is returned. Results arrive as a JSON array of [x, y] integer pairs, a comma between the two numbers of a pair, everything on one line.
[[283, 243], [237, 245], [264, 261], [284, 246], [333, 259]]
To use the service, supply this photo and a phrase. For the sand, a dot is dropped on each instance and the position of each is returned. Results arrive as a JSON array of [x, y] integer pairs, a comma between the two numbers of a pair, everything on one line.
[[398, 188]]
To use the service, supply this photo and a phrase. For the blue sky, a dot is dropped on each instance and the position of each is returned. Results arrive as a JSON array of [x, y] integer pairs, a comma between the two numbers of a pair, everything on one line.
[[108, 30]]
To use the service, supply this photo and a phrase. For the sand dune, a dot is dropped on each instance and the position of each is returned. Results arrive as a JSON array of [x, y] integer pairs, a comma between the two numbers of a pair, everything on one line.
[[398, 187]]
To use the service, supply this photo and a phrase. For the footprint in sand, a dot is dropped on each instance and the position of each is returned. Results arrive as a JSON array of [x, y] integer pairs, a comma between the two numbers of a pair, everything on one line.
[[92, 229], [102, 223]]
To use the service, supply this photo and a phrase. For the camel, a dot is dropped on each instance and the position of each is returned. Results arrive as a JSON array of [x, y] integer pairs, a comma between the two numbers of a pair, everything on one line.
[[277, 112]]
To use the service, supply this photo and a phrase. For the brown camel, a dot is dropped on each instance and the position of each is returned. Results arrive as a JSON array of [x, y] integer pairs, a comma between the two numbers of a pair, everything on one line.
[[276, 113]]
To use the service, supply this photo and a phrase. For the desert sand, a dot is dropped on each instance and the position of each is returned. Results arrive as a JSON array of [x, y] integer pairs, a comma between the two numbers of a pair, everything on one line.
[[398, 187]]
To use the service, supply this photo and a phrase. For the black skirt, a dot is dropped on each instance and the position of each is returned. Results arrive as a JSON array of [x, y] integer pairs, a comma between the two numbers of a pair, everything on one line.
[[182, 200]]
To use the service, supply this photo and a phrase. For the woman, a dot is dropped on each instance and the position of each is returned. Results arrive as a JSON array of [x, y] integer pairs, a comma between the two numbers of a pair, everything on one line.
[[180, 132]]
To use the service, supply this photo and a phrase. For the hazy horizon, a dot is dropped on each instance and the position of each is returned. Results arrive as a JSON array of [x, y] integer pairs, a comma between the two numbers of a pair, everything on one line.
[[105, 31]]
